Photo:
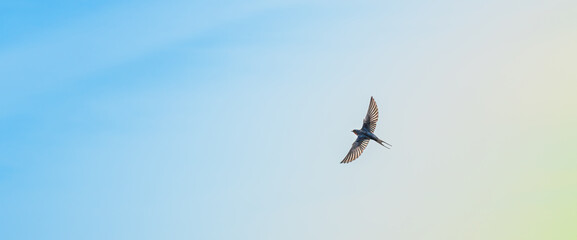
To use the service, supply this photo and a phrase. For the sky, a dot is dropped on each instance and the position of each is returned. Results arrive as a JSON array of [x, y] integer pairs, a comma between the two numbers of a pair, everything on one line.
[[228, 119]]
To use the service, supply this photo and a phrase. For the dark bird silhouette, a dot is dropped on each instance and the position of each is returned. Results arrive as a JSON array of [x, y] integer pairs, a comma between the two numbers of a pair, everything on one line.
[[365, 134]]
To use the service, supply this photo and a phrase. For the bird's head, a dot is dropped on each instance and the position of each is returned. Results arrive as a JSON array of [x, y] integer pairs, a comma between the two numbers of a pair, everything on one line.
[[355, 131]]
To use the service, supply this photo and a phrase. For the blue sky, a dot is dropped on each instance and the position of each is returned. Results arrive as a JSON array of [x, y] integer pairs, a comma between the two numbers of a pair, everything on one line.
[[227, 120]]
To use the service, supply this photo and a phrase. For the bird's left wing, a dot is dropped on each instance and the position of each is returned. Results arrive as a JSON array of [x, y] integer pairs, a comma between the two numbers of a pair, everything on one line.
[[370, 121], [358, 147]]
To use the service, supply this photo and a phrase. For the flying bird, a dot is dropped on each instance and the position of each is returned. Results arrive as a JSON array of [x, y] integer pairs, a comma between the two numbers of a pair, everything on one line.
[[365, 134]]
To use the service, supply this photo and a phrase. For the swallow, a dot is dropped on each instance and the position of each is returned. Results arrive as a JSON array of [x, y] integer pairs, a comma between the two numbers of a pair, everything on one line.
[[366, 134]]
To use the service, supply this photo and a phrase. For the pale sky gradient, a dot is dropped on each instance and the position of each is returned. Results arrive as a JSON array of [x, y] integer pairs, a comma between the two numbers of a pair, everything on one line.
[[228, 120]]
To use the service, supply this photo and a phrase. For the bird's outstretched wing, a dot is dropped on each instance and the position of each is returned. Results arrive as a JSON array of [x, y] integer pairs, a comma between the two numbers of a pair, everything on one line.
[[358, 147], [370, 121]]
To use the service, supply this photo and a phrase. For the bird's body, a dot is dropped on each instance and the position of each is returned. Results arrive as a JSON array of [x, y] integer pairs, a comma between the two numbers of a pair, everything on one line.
[[365, 134]]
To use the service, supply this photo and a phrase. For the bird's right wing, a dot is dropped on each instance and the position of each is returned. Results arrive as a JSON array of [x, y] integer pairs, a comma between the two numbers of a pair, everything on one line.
[[370, 121], [358, 147]]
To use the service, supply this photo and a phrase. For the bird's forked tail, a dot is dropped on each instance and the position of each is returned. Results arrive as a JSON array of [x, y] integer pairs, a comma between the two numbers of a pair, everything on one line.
[[381, 142]]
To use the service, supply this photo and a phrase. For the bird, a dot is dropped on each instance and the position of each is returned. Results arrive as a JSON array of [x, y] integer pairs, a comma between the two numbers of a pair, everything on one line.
[[366, 134]]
